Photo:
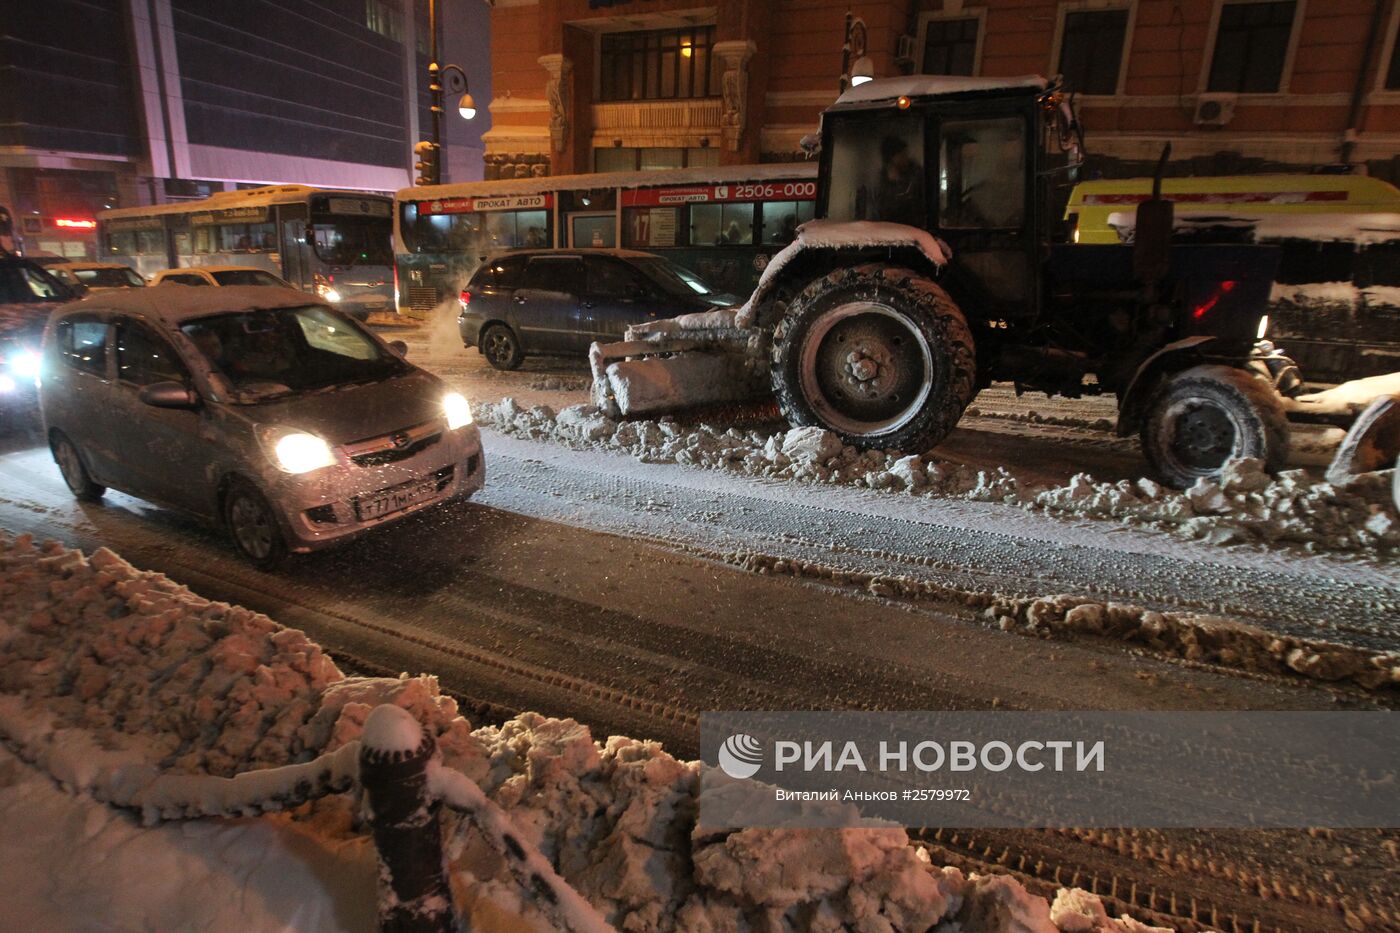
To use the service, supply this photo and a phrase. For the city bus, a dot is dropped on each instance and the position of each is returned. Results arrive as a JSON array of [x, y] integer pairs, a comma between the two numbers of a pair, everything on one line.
[[337, 244], [723, 222], [1336, 301]]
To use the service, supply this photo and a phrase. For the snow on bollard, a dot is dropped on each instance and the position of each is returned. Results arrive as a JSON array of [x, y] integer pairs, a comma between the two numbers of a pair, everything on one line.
[[414, 896]]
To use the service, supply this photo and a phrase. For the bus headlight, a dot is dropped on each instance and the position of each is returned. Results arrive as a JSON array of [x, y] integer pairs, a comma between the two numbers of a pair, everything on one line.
[[1263, 328], [457, 409]]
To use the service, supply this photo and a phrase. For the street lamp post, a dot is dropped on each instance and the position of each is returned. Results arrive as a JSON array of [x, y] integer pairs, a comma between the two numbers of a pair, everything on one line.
[[429, 165]]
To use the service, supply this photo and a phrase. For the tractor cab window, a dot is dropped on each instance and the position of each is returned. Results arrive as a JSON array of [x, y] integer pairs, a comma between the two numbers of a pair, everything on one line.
[[982, 173], [877, 171]]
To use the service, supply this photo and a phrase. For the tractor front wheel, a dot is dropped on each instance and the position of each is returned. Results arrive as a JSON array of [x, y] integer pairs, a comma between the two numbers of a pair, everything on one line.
[[1201, 418], [879, 355]]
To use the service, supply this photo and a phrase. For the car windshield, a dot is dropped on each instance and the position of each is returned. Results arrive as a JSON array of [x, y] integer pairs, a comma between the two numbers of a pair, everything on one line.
[[352, 243], [671, 278], [108, 278], [276, 352], [247, 277], [21, 283]]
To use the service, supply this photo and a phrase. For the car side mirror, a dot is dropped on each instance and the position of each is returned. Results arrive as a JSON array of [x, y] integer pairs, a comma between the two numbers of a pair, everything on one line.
[[169, 395], [399, 347]]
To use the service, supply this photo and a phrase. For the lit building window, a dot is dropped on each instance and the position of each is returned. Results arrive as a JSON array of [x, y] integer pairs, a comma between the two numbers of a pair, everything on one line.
[[1251, 44], [658, 65], [383, 17], [1091, 51]]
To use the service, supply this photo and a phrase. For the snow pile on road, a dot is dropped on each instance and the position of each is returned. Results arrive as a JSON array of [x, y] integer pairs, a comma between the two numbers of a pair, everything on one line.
[[1245, 506], [109, 669], [1198, 637]]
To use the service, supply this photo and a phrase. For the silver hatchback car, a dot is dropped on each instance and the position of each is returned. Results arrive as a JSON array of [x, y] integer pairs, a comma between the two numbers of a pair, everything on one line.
[[263, 408]]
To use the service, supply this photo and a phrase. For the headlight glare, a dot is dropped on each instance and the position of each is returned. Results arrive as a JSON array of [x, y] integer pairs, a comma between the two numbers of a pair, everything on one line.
[[301, 453], [25, 364], [7, 384], [457, 409]]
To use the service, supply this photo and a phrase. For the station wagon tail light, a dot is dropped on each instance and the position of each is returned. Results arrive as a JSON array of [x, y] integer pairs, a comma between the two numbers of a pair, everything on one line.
[[457, 410], [464, 298], [297, 451]]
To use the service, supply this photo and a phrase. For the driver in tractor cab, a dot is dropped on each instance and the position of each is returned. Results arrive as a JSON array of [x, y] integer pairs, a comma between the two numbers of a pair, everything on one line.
[[899, 195]]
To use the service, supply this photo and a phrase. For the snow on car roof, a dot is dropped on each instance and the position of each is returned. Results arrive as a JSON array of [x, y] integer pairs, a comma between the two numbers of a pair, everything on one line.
[[935, 86], [178, 303], [708, 175], [216, 269], [84, 264]]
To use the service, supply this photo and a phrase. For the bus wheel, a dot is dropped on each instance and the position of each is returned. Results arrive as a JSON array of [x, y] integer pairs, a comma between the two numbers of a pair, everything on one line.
[[879, 355], [501, 348], [1203, 417]]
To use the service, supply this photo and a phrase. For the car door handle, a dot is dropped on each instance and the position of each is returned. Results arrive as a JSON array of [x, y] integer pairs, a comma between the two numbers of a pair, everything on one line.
[[519, 299]]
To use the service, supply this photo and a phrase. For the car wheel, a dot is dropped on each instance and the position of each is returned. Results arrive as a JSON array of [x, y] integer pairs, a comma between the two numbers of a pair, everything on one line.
[[501, 347], [75, 474], [1203, 417], [252, 525], [881, 356]]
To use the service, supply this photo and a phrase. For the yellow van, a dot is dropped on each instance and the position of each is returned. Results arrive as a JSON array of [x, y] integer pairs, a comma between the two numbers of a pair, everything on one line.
[[1267, 198]]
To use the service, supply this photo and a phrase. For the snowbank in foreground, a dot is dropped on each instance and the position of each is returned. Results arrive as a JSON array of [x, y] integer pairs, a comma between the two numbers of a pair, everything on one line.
[[106, 669], [1246, 507]]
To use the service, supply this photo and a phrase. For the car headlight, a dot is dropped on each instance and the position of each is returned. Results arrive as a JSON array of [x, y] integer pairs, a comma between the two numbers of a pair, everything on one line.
[[331, 294], [25, 364], [457, 409], [299, 452], [7, 384]]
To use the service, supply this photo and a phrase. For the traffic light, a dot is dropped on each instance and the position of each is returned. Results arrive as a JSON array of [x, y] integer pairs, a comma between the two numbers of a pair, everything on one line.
[[427, 164]]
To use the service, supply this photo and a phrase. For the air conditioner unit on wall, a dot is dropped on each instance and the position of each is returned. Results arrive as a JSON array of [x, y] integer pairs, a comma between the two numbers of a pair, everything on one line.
[[904, 50], [1215, 109]]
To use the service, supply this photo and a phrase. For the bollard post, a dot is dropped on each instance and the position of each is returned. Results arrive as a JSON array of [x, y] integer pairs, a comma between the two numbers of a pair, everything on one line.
[[414, 895]]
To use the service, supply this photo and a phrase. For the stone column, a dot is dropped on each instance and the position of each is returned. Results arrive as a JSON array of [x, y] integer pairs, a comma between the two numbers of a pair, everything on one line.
[[734, 56], [559, 92]]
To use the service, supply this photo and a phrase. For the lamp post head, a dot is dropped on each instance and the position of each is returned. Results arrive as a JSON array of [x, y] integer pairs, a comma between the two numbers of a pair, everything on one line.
[[466, 107]]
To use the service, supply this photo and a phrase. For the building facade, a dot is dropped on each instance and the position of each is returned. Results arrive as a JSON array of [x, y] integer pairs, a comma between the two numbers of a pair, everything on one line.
[[107, 103], [1235, 85]]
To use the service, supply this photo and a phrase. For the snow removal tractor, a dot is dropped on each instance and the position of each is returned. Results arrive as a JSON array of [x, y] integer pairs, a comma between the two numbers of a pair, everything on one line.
[[937, 266]]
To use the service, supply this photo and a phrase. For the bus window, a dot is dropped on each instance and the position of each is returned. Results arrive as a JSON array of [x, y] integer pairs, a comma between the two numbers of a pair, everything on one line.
[[782, 218], [644, 227], [204, 239], [122, 242], [150, 242], [593, 230], [721, 224]]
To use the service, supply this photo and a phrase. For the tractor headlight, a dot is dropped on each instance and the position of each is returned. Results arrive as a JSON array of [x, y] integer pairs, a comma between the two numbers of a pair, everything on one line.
[[457, 409], [299, 452]]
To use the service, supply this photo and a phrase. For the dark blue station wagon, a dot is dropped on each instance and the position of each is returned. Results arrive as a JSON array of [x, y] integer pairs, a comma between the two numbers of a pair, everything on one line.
[[557, 302]]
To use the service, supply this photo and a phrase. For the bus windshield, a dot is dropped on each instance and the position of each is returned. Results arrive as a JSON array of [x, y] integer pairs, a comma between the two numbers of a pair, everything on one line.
[[344, 242]]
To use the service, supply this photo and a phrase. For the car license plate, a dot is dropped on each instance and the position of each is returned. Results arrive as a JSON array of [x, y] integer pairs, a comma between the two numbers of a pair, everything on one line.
[[394, 500]]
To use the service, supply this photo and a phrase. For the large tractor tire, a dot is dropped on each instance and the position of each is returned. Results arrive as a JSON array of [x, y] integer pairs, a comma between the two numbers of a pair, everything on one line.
[[1202, 417], [879, 355]]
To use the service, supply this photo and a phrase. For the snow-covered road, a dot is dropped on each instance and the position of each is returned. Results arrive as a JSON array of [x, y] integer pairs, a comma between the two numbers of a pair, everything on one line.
[[589, 584]]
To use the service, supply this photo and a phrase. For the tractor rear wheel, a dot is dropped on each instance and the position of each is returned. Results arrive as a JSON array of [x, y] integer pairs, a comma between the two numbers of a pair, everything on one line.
[[1202, 417], [879, 355]]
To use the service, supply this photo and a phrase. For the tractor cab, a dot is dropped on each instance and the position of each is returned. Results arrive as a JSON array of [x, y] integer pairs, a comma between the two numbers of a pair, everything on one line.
[[964, 158]]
